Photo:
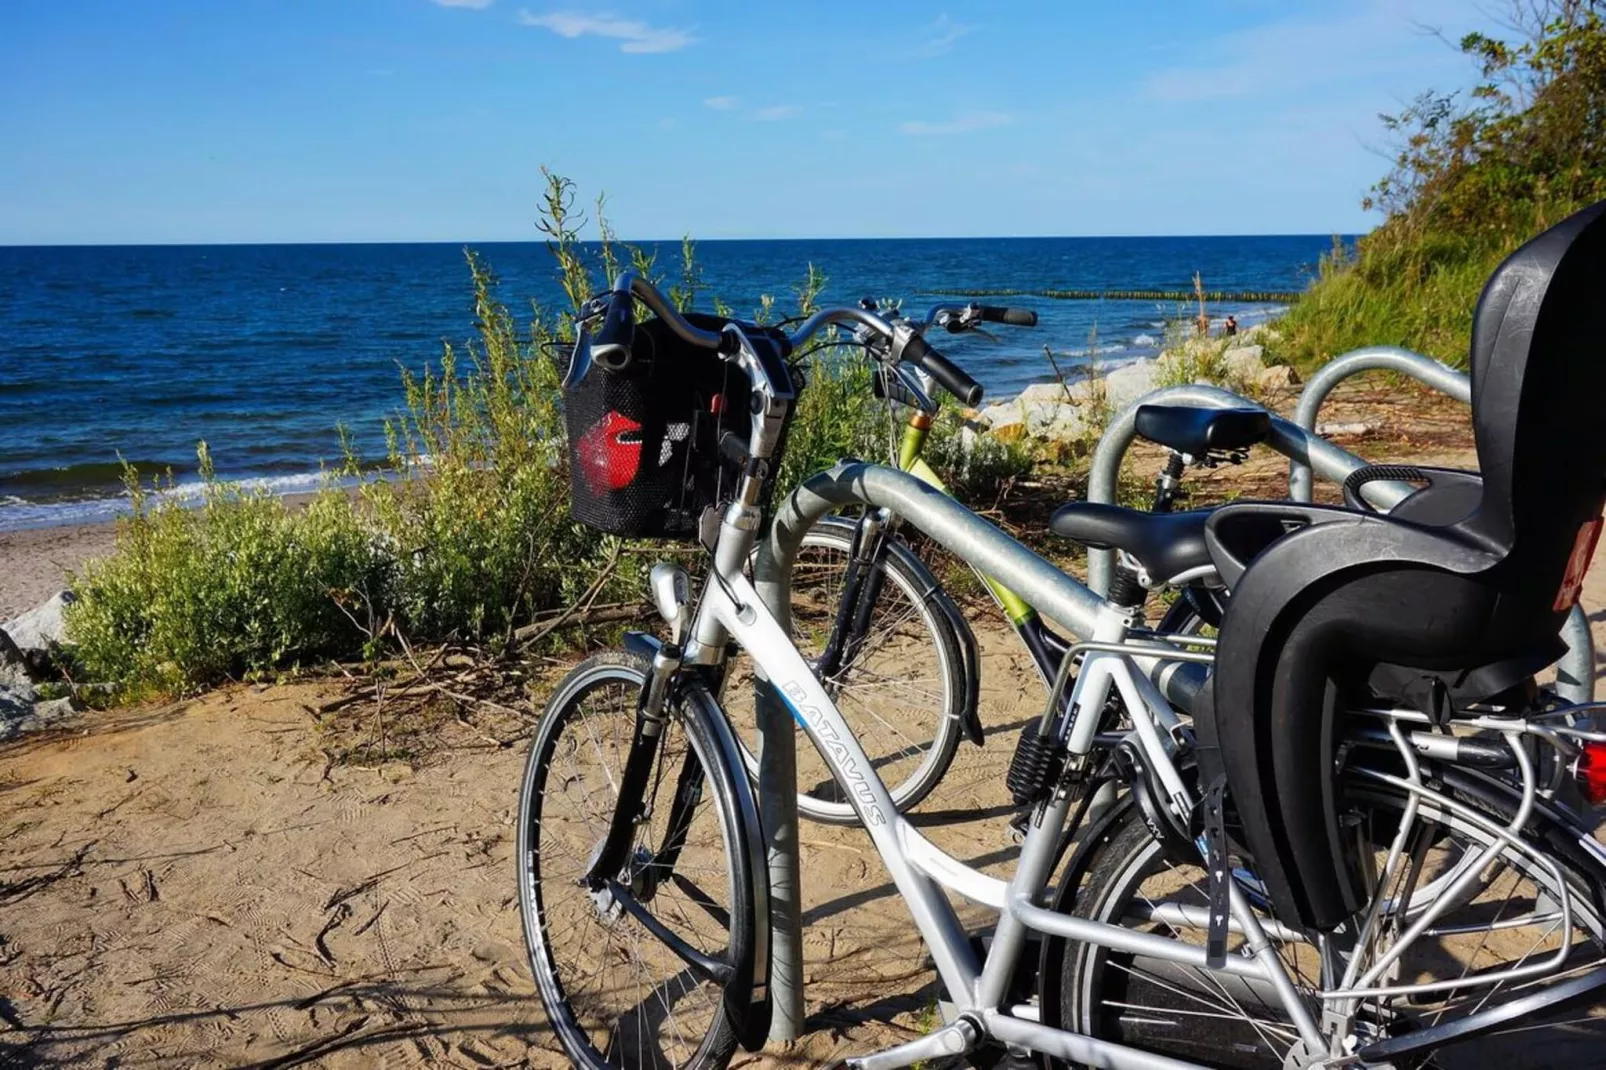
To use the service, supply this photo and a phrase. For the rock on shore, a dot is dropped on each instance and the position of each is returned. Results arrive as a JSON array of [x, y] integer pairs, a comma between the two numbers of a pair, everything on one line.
[[1065, 412], [27, 645]]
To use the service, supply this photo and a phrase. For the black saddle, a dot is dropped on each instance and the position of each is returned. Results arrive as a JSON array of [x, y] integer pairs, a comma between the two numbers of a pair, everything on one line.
[[1196, 431], [1165, 544], [1468, 581]]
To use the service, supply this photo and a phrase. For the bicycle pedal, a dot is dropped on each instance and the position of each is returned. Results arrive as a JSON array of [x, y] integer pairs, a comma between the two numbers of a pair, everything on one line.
[[956, 1038]]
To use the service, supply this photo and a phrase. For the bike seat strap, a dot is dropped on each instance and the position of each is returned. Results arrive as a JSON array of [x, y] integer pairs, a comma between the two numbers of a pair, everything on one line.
[[1195, 430]]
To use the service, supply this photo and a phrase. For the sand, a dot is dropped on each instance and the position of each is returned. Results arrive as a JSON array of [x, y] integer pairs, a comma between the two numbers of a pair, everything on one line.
[[34, 564]]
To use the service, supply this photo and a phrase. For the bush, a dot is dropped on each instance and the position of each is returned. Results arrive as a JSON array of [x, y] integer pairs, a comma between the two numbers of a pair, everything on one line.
[[240, 583], [463, 532], [1473, 179]]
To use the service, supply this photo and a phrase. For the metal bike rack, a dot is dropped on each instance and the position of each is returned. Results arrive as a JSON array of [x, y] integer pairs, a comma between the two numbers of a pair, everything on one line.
[[1307, 453], [1425, 370], [1055, 594]]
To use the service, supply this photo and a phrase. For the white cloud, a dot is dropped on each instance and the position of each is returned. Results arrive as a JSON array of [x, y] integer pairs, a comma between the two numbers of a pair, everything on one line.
[[633, 34], [478, 5], [966, 122], [1379, 40], [721, 103], [777, 112], [940, 37]]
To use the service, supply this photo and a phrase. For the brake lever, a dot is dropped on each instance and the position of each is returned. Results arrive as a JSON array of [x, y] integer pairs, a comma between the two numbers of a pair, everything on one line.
[[902, 384]]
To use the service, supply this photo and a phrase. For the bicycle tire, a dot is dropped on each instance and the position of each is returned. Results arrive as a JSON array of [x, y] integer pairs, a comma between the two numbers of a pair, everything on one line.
[[722, 797], [921, 592], [1078, 987]]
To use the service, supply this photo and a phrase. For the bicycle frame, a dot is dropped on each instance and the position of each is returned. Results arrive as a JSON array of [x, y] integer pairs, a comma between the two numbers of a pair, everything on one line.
[[731, 609]]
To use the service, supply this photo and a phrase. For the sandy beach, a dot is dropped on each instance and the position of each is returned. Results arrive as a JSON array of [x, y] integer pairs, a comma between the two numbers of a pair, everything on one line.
[[35, 564]]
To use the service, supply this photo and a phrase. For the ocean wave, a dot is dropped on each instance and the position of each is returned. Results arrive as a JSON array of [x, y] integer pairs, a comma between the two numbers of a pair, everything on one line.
[[1146, 341], [17, 514]]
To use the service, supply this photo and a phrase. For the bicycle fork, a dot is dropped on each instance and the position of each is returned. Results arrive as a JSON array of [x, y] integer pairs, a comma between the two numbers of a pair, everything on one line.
[[613, 856], [861, 588]]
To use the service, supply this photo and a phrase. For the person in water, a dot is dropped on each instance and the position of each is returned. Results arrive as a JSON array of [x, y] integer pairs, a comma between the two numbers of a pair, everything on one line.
[[1230, 327]]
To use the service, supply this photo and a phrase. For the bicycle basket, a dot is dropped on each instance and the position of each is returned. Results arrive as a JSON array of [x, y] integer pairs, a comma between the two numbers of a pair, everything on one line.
[[644, 454]]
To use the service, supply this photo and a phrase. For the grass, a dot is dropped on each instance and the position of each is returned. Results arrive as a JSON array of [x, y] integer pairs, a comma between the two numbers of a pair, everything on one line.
[[1475, 175]]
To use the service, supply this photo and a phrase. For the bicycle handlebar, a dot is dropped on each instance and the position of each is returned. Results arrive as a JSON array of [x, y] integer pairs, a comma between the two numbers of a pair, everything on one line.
[[949, 375], [1015, 317], [612, 346]]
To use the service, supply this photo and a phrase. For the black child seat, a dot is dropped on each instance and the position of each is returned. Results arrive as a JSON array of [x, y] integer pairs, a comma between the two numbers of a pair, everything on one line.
[[1466, 583]]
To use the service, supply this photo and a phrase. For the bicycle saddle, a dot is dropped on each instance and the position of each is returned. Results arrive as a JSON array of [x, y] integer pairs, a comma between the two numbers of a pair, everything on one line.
[[1196, 430], [1469, 580], [1165, 544]]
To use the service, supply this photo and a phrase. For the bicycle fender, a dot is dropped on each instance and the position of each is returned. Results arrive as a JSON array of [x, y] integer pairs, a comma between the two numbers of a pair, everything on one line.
[[754, 1027]]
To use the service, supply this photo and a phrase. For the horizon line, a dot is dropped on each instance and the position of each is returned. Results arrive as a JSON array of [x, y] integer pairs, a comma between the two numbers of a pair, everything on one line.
[[663, 241]]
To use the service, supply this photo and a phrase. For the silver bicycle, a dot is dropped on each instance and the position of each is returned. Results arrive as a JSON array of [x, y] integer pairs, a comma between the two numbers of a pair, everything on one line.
[[640, 855]]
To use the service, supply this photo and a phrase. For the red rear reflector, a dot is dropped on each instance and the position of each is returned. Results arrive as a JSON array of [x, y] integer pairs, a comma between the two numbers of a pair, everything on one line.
[[1590, 772], [1572, 581]]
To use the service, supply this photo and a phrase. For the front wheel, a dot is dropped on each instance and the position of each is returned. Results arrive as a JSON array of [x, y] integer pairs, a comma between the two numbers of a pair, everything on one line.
[[654, 966]]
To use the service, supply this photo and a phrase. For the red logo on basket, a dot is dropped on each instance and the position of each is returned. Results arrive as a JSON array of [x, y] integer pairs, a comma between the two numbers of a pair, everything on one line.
[[610, 453], [1572, 581]]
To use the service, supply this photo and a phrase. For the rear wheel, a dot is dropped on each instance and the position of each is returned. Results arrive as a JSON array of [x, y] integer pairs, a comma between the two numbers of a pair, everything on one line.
[[1507, 919], [655, 967]]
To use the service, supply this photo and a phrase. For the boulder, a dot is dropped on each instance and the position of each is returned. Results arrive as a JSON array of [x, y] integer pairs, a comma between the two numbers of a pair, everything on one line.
[[1277, 377], [1244, 362], [40, 630], [1044, 393], [1035, 417], [40, 716], [1005, 420], [17, 694], [1128, 383]]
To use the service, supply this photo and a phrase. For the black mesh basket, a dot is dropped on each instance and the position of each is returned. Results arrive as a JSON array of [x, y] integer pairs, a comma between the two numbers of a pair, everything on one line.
[[644, 442]]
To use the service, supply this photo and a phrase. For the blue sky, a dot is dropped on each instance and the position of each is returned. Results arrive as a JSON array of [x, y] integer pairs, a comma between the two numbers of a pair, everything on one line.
[[373, 120]]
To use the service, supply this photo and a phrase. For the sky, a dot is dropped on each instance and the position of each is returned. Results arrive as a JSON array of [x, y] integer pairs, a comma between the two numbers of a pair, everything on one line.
[[135, 121]]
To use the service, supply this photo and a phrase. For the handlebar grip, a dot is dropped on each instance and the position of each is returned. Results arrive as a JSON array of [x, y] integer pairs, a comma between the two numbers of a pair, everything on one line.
[[1015, 317], [611, 347], [950, 376]]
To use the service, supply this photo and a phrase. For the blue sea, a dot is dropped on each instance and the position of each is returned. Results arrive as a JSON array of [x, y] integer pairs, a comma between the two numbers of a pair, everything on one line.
[[138, 352]]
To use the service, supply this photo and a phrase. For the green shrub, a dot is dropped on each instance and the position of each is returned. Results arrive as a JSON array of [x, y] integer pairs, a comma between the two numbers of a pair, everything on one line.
[[1473, 179], [241, 583]]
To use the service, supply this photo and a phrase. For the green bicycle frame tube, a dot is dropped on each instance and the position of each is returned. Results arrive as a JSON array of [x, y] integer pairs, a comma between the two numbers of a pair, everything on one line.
[[910, 461]]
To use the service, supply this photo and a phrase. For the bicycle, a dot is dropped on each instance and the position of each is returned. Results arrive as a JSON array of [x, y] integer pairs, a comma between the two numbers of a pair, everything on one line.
[[1230, 950], [862, 595]]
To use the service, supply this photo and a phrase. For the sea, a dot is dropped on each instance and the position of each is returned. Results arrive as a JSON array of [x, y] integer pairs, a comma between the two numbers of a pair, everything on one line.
[[137, 353]]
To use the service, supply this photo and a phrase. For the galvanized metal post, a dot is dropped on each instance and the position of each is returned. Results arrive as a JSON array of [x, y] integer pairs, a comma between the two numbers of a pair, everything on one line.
[[1426, 370], [777, 806], [966, 534]]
